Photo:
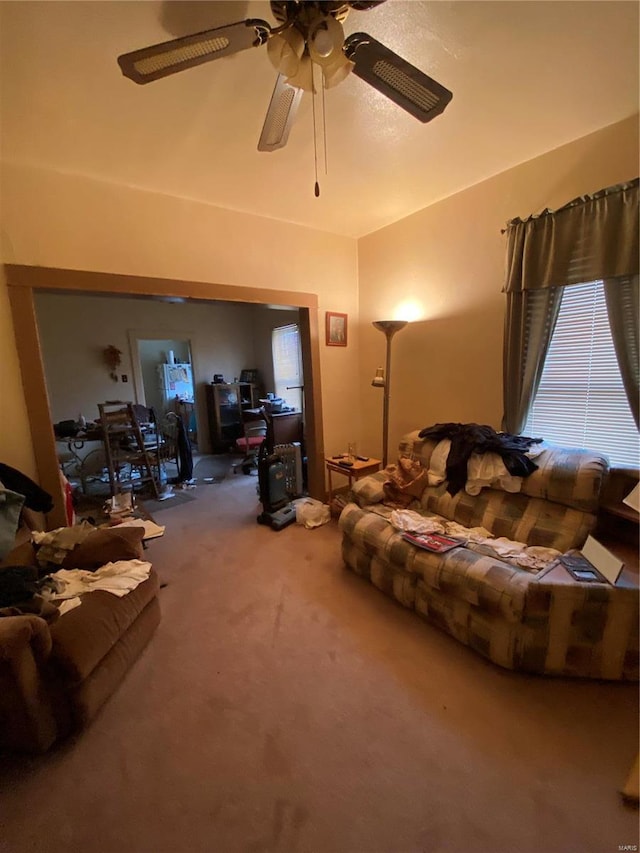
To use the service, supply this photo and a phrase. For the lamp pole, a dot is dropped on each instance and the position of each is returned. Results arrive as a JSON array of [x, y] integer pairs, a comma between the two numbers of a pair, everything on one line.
[[388, 328]]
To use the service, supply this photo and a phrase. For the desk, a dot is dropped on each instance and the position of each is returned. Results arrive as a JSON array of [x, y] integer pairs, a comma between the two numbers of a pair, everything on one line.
[[354, 473], [285, 427]]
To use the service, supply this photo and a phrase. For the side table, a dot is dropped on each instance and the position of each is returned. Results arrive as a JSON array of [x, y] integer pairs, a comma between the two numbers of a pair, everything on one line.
[[353, 473]]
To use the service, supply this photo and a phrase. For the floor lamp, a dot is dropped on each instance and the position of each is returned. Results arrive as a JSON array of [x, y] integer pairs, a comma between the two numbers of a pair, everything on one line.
[[383, 379]]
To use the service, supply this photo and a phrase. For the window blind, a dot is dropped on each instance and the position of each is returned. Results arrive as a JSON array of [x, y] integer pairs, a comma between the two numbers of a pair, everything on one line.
[[287, 364], [581, 401]]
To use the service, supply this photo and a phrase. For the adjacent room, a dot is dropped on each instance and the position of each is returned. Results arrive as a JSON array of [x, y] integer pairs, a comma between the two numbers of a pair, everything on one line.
[[319, 453]]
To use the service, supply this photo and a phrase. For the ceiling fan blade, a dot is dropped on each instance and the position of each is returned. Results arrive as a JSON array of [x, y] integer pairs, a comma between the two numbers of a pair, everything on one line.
[[396, 78], [364, 5], [280, 115], [160, 60]]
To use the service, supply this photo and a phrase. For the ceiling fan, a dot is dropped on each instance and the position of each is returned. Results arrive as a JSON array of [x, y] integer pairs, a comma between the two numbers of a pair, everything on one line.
[[309, 33]]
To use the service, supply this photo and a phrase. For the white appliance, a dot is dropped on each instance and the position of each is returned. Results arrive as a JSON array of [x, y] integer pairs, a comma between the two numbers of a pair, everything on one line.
[[175, 380]]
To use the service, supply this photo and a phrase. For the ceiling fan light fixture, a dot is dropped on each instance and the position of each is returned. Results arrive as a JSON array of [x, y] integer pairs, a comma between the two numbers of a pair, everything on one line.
[[303, 78], [285, 51], [325, 39], [336, 72], [322, 42]]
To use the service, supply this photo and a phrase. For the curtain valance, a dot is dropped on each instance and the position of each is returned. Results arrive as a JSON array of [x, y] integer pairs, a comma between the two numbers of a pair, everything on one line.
[[591, 238]]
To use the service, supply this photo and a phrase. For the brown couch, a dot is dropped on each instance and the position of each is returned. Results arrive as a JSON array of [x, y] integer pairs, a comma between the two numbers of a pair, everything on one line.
[[55, 676]]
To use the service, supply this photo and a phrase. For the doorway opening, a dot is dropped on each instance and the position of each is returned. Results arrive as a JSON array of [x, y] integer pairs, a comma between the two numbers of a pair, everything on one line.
[[24, 281]]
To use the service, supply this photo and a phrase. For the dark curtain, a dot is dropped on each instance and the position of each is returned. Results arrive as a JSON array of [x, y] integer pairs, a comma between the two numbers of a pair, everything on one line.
[[624, 311], [589, 239], [530, 321]]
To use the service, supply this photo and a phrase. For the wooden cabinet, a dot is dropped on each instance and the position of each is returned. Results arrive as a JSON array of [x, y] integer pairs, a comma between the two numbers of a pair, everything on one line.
[[225, 404]]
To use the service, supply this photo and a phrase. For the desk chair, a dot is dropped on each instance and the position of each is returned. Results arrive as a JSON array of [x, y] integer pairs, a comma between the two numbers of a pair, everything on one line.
[[255, 433]]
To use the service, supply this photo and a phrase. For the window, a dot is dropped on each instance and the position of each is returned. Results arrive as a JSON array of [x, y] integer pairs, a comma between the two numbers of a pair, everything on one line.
[[287, 365], [581, 401]]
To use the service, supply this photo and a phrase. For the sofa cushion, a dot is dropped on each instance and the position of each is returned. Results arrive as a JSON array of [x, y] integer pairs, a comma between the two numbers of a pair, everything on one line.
[[369, 490], [487, 583], [83, 636], [516, 516], [568, 476]]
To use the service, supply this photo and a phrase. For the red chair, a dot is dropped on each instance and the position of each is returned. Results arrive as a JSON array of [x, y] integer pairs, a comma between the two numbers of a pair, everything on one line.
[[255, 433]]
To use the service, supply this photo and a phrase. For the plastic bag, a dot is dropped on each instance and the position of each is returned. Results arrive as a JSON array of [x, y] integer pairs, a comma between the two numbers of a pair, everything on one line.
[[312, 513]]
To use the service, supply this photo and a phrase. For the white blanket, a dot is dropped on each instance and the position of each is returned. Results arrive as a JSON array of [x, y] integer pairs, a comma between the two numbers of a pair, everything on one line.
[[117, 578]]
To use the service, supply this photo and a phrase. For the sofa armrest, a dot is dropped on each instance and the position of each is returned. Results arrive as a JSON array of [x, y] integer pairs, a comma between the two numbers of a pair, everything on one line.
[[17, 632], [27, 721], [369, 489]]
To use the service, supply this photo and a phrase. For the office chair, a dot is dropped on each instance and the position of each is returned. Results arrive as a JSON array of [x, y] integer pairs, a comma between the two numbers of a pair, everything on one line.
[[255, 433]]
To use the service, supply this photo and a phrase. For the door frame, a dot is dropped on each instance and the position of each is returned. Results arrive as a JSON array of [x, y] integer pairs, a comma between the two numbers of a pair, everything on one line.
[[23, 281]]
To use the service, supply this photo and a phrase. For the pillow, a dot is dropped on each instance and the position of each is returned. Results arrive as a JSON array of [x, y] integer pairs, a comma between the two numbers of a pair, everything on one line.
[[106, 545]]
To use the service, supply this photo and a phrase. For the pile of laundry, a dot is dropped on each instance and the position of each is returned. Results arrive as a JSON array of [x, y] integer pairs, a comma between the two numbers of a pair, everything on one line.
[[64, 564], [475, 456], [532, 558]]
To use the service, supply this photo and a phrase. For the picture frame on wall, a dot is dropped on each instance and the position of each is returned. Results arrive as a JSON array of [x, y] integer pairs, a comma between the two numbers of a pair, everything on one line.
[[336, 329]]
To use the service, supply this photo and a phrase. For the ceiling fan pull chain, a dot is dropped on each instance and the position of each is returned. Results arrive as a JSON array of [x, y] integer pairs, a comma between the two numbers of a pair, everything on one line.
[[324, 127], [316, 189]]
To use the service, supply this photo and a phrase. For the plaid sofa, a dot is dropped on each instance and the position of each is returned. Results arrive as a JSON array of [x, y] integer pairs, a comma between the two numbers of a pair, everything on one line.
[[542, 622]]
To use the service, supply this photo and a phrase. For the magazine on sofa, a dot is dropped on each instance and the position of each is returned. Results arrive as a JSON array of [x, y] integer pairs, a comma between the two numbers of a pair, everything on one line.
[[432, 541]]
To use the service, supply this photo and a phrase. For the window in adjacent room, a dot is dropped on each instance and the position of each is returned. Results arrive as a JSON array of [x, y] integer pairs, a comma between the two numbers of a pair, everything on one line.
[[581, 401], [287, 365]]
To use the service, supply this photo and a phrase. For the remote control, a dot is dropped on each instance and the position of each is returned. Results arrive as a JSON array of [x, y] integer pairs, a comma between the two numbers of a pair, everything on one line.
[[362, 458], [346, 464]]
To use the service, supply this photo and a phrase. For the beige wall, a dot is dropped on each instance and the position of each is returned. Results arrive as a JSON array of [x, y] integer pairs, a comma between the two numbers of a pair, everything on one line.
[[71, 221], [449, 260], [15, 439]]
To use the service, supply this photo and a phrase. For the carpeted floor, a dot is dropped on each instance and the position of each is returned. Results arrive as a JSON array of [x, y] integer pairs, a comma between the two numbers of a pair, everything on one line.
[[179, 497], [215, 465], [285, 704]]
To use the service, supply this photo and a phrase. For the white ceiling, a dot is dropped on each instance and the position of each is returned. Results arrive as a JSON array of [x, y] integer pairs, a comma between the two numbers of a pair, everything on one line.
[[526, 77]]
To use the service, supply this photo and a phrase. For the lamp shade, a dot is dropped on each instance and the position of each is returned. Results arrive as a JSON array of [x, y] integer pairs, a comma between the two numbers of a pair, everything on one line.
[[390, 327]]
